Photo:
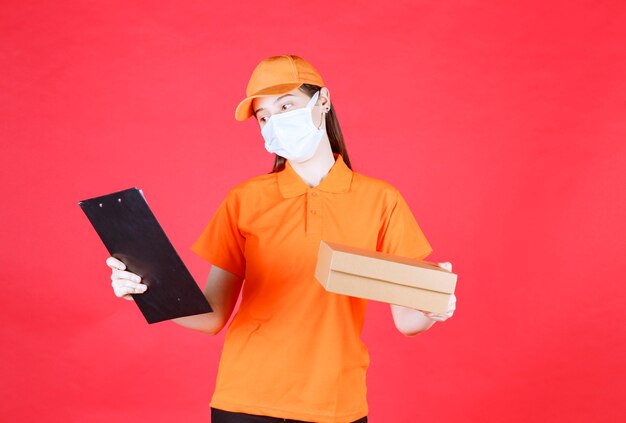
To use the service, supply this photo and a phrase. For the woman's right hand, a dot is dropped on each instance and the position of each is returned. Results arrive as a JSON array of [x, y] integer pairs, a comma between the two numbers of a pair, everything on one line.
[[124, 283]]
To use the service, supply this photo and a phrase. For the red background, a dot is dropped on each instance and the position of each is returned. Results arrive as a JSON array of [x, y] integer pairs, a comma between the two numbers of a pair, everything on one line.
[[503, 125]]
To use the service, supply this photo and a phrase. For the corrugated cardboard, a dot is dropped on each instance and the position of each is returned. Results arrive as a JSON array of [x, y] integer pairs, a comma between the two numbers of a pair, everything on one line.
[[383, 277]]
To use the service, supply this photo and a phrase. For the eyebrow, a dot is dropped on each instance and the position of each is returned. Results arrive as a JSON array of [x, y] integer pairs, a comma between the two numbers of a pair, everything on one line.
[[278, 99]]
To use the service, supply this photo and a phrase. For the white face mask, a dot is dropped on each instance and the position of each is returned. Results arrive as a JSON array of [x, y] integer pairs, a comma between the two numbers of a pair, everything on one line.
[[292, 134]]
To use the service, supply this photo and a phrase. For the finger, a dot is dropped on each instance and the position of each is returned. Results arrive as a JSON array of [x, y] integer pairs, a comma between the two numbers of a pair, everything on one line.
[[121, 293], [124, 283], [128, 297], [131, 287], [446, 265], [452, 302], [439, 317], [451, 309], [122, 274], [126, 293], [114, 263], [433, 316], [123, 287]]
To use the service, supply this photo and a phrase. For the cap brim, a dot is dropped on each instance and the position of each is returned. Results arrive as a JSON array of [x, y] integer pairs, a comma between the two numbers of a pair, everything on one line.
[[244, 109]]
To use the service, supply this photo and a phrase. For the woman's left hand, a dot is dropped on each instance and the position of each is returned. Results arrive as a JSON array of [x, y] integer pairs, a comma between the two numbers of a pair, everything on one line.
[[442, 317]]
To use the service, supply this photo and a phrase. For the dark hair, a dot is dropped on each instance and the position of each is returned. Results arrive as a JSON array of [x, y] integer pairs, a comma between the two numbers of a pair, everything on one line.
[[332, 129]]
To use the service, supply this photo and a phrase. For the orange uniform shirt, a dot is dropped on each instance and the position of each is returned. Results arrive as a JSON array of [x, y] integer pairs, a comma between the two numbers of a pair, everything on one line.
[[294, 350]]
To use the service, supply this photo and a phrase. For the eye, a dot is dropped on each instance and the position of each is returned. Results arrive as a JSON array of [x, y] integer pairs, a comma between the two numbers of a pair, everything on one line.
[[286, 106]]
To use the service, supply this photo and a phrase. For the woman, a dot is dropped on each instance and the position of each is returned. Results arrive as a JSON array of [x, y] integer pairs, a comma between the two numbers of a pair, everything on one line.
[[293, 351]]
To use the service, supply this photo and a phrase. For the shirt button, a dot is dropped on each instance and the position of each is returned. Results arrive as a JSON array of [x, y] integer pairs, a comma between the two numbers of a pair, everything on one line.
[[314, 194], [313, 212]]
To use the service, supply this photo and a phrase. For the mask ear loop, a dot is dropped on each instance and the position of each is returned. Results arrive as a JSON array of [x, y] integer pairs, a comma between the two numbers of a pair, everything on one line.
[[324, 110], [313, 100]]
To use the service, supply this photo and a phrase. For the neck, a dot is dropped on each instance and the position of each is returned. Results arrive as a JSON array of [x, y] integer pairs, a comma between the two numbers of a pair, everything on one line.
[[314, 170]]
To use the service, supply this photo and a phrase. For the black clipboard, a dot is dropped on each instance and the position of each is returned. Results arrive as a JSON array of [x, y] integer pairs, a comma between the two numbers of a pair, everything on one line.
[[132, 234]]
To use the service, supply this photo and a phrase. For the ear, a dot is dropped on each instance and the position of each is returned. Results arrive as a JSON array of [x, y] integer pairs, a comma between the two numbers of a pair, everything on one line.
[[324, 99]]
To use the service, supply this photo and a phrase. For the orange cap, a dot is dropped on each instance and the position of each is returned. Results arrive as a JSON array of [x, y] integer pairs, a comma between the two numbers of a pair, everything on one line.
[[276, 75]]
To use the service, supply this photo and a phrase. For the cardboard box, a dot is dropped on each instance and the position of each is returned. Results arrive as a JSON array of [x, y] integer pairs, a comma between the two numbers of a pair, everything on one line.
[[383, 277]]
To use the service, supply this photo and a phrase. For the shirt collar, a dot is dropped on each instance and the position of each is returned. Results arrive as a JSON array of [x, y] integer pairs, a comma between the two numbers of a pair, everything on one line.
[[338, 180]]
